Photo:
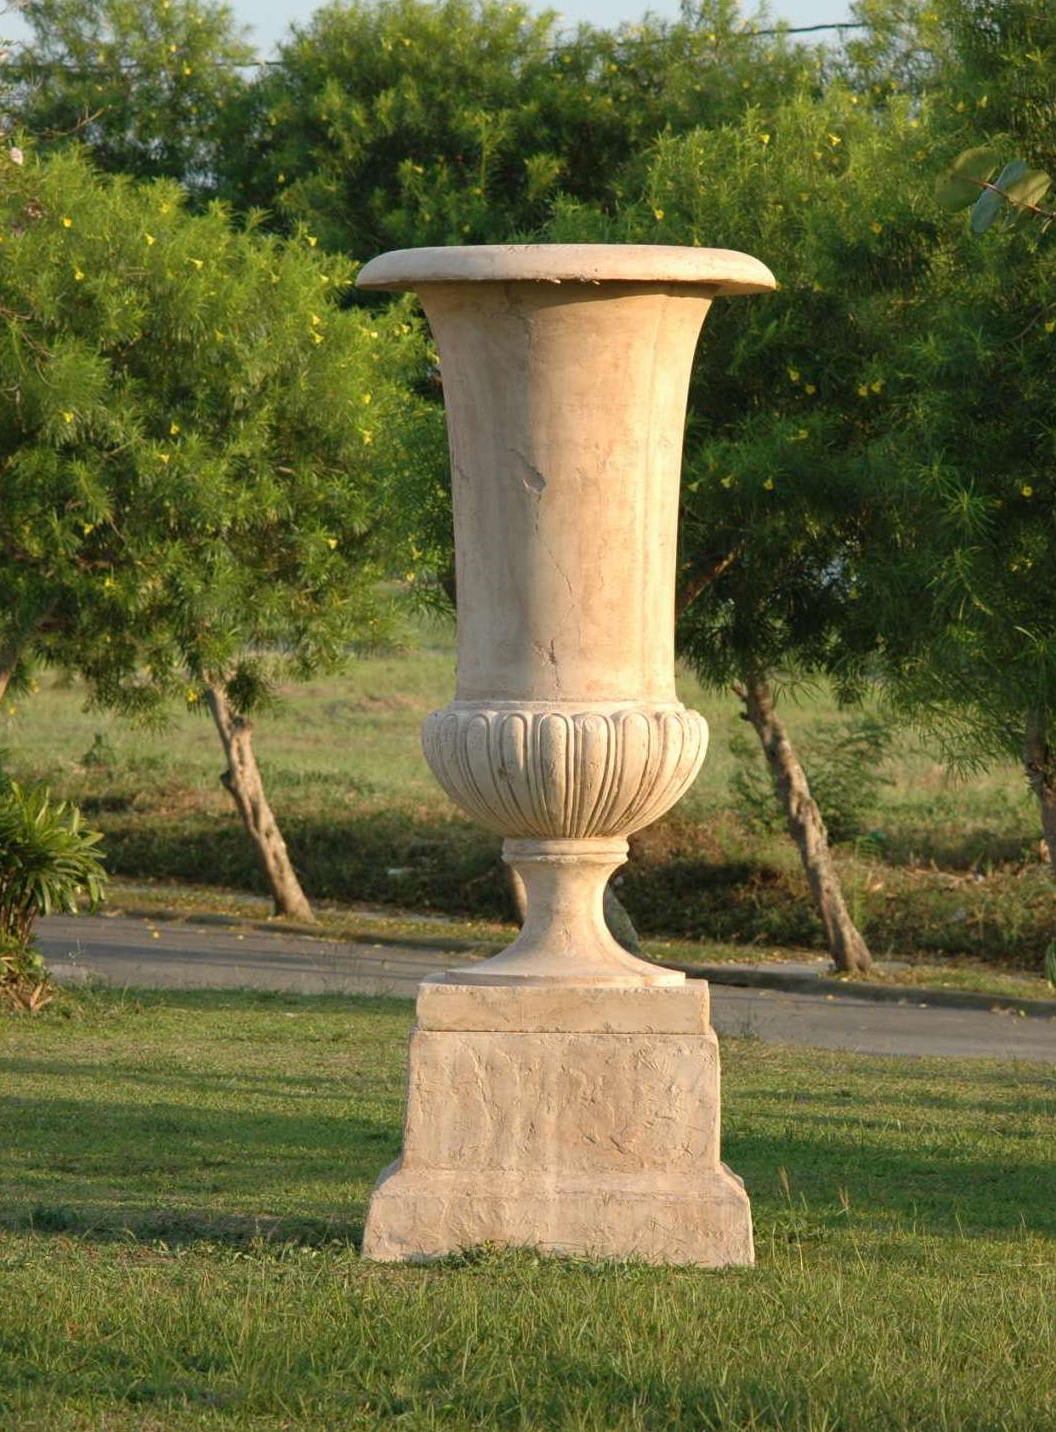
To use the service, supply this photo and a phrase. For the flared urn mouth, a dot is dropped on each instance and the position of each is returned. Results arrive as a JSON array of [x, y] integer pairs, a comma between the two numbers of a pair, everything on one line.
[[723, 272]]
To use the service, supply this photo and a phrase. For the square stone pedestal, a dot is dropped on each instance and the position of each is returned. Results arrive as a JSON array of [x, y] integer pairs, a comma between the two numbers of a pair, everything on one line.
[[576, 1120]]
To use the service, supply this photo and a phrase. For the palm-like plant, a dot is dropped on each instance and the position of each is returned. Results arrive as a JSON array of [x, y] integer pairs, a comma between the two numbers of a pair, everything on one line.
[[48, 863]]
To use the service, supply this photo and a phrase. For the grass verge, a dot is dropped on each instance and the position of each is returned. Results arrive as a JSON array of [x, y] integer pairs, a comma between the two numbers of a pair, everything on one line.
[[185, 1181]]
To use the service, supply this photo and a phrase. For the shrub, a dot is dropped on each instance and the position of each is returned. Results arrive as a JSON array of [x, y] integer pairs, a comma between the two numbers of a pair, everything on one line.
[[48, 862], [844, 763]]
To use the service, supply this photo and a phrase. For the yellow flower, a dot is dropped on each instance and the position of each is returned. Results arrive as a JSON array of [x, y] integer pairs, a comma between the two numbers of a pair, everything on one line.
[[218, 335], [793, 374], [67, 223], [877, 387], [316, 336], [834, 139], [982, 102], [769, 484], [150, 239], [187, 70], [727, 482], [367, 398], [331, 542], [876, 228], [165, 208], [174, 428], [87, 528], [658, 214], [67, 417], [197, 262], [863, 390], [809, 389], [316, 320], [282, 178], [1026, 490], [164, 457], [368, 436], [77, 275], [960, 106], [312, 240], [1050, 325], [764, 139]]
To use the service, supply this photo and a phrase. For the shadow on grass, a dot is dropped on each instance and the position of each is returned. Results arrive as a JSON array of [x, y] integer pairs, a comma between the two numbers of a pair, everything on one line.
[[182, 1228]]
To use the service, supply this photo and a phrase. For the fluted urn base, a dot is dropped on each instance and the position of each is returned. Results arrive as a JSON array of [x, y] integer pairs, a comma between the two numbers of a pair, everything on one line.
[[580, 1121]]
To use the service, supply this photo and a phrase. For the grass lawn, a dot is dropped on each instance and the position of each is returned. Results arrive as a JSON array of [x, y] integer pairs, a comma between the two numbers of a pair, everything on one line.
[[185, 1178]]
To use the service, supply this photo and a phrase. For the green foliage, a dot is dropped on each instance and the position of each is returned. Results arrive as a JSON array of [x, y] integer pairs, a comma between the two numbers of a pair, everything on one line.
[[968, 456], [48, 862], [960, 185], [971, 180], [847, 776], [145, 84], [100, 753], [200, 444], [788, 389], [402, 122]]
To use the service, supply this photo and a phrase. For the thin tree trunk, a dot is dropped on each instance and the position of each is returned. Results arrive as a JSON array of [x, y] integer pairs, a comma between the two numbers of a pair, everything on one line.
[[1039, 759], [619, 923], [242, 778], [849, 951], [10, 651]]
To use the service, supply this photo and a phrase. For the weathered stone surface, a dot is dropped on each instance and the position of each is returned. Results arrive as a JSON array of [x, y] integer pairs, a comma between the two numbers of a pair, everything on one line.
[[416, 1215], [596, 1138], [565, 372], [683, 1009], [539, 1113]]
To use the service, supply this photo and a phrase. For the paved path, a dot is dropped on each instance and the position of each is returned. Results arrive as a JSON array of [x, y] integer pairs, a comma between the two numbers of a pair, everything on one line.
[[183, 955]]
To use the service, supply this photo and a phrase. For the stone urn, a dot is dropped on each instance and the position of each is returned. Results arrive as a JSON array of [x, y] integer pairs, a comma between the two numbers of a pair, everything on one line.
[[566, 371]]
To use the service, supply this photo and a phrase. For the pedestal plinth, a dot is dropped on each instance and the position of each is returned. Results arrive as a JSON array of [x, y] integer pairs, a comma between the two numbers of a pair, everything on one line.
[[574, 1120]]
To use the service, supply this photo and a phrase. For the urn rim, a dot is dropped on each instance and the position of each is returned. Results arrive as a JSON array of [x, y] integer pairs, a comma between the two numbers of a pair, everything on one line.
[[726, 272]]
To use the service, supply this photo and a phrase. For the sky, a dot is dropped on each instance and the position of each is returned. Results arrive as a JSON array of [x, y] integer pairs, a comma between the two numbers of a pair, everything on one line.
[[270, 20]]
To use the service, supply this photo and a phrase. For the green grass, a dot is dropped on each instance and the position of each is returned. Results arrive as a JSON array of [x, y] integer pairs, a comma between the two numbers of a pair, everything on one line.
[[954, 872], [185, 1178]]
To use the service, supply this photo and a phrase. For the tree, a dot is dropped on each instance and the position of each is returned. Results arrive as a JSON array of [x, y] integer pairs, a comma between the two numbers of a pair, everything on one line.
[[970, 456], [787, 393], [196, 456], [147, 85], [403, 122]]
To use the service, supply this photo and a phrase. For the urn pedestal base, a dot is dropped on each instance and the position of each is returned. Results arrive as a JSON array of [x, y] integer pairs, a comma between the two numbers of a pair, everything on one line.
[[581, 1121]]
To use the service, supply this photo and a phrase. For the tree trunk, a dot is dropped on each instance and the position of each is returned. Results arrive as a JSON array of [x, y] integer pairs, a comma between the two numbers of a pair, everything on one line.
[[242, 778], [619, 923], [1039, 759], [10, 651], [849, 951]]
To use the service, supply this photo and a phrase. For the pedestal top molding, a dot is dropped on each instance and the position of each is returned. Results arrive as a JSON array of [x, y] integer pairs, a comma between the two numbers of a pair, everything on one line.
[[724, 271]]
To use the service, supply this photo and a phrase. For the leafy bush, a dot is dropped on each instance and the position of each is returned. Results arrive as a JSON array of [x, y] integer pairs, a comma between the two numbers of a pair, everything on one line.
[[48, 861], [844, 763]]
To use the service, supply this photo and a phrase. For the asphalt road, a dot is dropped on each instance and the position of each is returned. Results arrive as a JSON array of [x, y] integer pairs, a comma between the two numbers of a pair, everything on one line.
[[184, 955]]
